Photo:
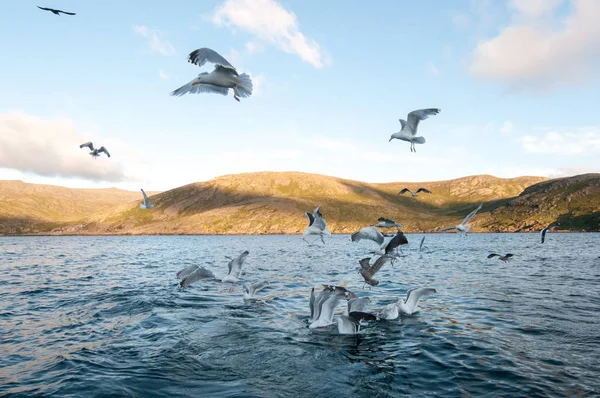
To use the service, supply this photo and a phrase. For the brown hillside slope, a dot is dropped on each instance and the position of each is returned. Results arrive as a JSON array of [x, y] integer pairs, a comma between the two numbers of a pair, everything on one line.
[[274, 202]]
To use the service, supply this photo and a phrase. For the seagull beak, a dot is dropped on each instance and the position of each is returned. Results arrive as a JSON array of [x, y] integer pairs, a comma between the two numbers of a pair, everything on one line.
[[391, 139]]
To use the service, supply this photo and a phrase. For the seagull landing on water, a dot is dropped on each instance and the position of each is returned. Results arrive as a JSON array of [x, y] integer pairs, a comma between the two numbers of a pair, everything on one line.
[[351, 323], [409, 127], [387, 223], [219, 81], [323, 305], [463, 228], [95, 152], [250, 290], [55, 12], [505, 258], [414, 194], [235, 268], [316, 225], [146, 204], [192, 274], [408, 306]]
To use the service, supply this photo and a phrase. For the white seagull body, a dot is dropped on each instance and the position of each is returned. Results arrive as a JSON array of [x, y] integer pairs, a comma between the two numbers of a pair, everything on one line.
[[463, 228], [235, 268], [316, 225], [323, 306], [408, 306], [409, 127], [219, 81], [146, 204], [369, 233], [95, 152]]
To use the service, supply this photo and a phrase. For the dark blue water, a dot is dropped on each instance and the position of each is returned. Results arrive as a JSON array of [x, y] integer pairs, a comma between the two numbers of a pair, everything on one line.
[[103, 316]]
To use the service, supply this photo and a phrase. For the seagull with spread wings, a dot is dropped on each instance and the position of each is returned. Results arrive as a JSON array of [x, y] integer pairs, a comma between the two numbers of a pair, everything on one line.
[[409, 127], [414, 194], [505, 258], [369, 270], [368, 233], [95, 152], [146, 204], [408, 306], [463, 228], [219, 81], [316, 225], [387, 223], [55, 12]]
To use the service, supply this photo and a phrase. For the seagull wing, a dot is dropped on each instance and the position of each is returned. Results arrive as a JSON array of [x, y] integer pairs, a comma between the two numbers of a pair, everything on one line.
[[319, 221], [415, 117], [370, 233], [329, 305], [362, 316], [203, 55], [414, 295], [311, 303], [471, 214], [311, 219], [255, 287], [325, 294], [543, 234], [448, 229], [421, 245], [358, 304], [509, 255], [199, 88], [45, 9], [186, 271], [397, 240], [493, 255], [405, 190], [146, 201], [200, 273], [235, 265], [102, 149], [378, 264], [347, 325], [364, 263], [65, 12], [87, 144], [423, 190], [226, 69]]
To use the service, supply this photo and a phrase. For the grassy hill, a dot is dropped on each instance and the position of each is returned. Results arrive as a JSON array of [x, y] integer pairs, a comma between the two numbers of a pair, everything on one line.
[[270, 202]]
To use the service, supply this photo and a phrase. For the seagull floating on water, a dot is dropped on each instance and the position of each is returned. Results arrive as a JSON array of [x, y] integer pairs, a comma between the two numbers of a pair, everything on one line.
[[350, 324], [95, 152], [414, 194], [463, 228], [219, 81], [387, 223], [55, 12], [250, 291], [146, 204], [505, 258], [192, 274], [316, 225], [368, 233], [409, 127], [323, 305]]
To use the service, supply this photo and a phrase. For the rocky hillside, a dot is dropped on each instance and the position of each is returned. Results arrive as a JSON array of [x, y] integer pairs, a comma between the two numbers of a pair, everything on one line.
[[268, 202]]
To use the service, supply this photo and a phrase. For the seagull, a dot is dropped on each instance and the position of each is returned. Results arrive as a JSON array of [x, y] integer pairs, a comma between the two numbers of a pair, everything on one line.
[[250, 291], [409, 128], [316, 225], [414, 194], [369, 233], [463, 228], [368, 271], [235, 268], [95, 152], [395, 242], [219, 81], [55, 12], [543, 234], [505, 258], [408, 306], [192, 274], [421, 245], [358, 304], [146, 204], [350, 324], [327, 307], [387, 223]]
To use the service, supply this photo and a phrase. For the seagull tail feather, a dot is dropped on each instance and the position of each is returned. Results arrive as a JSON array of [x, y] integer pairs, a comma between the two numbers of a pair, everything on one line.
[[418, 140], [244, 85]]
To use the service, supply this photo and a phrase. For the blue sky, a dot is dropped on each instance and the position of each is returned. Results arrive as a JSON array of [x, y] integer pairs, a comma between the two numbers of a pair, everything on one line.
[[516, 82]]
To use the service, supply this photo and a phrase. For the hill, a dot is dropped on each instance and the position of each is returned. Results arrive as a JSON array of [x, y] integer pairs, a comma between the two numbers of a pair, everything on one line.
[[274, 202]]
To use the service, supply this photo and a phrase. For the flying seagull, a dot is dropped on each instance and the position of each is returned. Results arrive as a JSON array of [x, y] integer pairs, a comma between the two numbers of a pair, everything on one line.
[[463, 228], [368, 271], [505, 258], [192, 274], [408, 306], [55, 12], [421, 245], [409, 127], [235, 268], [316, 225], [543, 234], [414, 194], [395, 242], [219, 81], [387, 223], [95, 152], [369, 233], [146, 204], [250, 291]]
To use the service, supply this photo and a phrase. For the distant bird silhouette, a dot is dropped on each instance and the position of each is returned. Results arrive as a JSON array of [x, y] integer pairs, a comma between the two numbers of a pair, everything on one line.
[[414, 194], [504, 258], [95, 152], [55, 12], [409, 127]]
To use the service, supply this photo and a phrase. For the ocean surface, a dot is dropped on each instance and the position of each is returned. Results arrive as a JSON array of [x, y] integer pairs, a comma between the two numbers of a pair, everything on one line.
[[103, 316]]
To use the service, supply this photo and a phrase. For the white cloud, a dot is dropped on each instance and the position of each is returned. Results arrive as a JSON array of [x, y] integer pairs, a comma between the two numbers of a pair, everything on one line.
[[163, 75], [563, 143], [157, 43], [51, 148], [507, 127], [270, 22], [530, 54]]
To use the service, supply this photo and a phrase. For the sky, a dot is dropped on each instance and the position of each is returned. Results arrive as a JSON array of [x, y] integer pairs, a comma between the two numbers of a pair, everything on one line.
[[517, 82]]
